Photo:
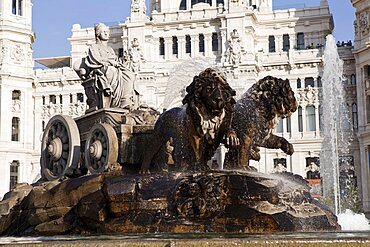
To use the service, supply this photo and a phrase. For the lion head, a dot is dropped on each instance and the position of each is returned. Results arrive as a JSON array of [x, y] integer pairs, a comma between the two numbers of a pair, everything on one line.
[[210, 90], [276, 94]]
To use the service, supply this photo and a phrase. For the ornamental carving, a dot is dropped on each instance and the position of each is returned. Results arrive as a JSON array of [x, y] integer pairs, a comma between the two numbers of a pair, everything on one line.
[[77, 109], [138, 6], [17, 53], [16, 106], [364, 22], [234, 50], [134, 56], [47, 111], [307, 96]]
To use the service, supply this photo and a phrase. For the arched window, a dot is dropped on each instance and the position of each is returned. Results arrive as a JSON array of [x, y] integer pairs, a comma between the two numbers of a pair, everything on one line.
[[300, 119], [183, 5], [16, 95], [17, 7], [308, 81], [188, 44], [310, 118], [14, 167], [319, 82], [300, 41], [52, 99], [272, 43], [15, 129], [80, 97], [286, 42], [288, 124], [201, 42], [353, 79], [175, 46], [354, 116], [214, 42], [161, 46], [299, 83]]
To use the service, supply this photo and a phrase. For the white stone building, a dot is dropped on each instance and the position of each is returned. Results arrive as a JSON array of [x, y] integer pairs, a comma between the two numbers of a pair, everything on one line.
[[361, 53], [248, 40]]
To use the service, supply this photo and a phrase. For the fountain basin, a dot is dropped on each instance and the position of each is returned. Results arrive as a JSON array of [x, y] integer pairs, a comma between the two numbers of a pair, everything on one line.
[[215, 201]]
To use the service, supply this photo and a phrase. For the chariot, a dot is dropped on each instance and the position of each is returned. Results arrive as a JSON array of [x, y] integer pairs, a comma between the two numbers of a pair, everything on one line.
[[103, 139]]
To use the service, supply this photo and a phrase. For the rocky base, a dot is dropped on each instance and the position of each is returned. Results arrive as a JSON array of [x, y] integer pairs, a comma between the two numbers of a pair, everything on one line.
[[216, 201]]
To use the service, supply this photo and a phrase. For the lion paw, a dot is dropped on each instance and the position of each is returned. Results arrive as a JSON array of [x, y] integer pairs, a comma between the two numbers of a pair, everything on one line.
[[231, 140]]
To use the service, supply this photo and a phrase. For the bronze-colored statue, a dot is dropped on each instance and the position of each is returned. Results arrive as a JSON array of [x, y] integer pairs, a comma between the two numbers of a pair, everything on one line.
[[112, 84], [199, 126], [255, 116]]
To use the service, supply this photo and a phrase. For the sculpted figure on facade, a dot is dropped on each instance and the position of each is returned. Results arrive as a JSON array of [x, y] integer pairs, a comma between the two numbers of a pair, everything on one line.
[[134, 57], [138, 6], [364, 22], [234, 49], [113, 83]]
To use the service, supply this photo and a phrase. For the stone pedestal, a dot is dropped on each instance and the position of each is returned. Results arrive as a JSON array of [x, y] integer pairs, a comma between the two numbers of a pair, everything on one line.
[[216, 201]]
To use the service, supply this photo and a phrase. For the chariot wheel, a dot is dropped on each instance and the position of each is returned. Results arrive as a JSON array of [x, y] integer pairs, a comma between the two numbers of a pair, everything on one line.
[[101, 149], [60, 147]]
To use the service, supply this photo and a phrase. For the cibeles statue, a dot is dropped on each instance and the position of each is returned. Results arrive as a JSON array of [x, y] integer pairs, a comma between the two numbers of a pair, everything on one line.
[[107, 82]]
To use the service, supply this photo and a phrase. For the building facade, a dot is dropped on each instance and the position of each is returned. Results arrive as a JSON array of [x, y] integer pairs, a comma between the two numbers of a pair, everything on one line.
[[361, 53], [247, 40]]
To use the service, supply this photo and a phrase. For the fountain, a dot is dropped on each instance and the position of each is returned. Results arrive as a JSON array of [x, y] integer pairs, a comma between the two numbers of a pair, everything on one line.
[[91, 183], [337, 135], [335, 141]]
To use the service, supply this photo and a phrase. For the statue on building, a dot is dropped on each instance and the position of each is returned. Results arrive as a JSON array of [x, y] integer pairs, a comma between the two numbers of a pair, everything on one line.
[[138, 6], [134, 57], [107, 82], [364, 22], [234, 49]]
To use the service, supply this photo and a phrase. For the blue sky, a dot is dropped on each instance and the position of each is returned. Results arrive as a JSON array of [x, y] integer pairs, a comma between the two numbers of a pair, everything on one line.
[[53, 19]]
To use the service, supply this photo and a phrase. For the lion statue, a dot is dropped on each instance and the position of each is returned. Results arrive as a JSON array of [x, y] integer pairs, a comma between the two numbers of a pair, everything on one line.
[[196, 129], [256, 115]]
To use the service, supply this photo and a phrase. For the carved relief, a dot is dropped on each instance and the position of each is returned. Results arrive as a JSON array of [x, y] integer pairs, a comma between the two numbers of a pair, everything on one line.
[[16, 106], [364, 22], [17, 53], [77, 109], [308, 96], [138, 6], [134, 57], [234, 50], [47, 111]]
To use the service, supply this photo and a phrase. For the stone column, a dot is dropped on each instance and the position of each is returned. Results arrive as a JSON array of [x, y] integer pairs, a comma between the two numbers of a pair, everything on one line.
[[181, 47], [304, 119], [293, 41], [156, 49], [188, 4], [223, 40], [207, 44], [194, 45], [278, 43], [317, 120], [167, 48]]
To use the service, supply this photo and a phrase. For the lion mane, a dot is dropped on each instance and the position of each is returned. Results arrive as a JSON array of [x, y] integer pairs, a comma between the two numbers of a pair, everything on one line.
[[198, 127], [256, 115]]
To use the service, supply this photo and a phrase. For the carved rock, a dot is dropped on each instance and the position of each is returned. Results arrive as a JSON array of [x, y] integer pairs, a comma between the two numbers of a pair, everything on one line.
[[216, 201]]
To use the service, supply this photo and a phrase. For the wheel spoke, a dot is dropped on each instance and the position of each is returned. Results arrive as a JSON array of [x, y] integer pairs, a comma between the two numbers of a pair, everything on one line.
[[60, 145]]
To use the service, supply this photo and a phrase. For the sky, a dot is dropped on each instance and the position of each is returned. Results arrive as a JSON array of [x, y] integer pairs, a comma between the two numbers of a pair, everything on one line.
[[53, 19]]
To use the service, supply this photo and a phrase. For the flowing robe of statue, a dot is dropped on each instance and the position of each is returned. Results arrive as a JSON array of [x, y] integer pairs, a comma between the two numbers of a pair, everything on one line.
[[116, 81]]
